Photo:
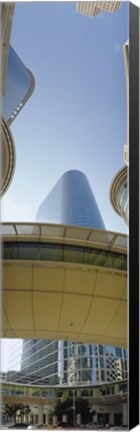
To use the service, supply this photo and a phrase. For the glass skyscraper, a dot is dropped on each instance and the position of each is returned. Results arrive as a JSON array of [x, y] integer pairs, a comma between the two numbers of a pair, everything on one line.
[[19, 86], [71, 202]]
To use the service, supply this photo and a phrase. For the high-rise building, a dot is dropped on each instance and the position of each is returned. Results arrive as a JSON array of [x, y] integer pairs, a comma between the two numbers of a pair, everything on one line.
[[19, 86], [92, 9], [119, 189], [71, 202], [16, 86]]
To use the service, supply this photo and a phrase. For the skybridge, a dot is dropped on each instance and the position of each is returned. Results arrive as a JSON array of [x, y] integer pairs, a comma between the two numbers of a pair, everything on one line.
[[64, 282]]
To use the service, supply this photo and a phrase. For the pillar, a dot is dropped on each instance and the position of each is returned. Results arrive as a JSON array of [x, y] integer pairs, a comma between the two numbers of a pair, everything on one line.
[[94, 418], [111, 419], [78, 419], [40, 414], [54, 420], [125, 413], [64, 417], [47, 418]]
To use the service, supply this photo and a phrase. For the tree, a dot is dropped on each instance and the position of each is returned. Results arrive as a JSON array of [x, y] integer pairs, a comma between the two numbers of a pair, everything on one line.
[[65, 405], [16, 410], [83, 408]]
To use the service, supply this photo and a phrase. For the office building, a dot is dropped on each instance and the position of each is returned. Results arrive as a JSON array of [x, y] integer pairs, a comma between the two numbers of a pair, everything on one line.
[[19, 86], [16, 86], [95, 8], [119, 188], [71, 202]]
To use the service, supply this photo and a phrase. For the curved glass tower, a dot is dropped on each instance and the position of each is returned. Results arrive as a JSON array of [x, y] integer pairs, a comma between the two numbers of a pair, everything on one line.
[[71, 202]]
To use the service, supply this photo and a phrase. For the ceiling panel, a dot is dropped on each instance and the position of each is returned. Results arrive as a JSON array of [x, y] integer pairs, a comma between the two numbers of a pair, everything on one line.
[[17, 277], [119, 325], [48, 279], [101, 314], [80, 281], [74, 311], [47, 310], [110, 285], [18, 306]]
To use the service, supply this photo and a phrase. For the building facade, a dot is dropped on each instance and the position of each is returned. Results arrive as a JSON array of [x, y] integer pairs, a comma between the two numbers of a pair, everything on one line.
[[71, 202], [16, 86], [92, 9]]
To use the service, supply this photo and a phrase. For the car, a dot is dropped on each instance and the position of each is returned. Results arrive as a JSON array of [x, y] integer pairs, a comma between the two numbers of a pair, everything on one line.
[[23, 426], [19, 426], [66, 425], [33, 426], [122, 427]]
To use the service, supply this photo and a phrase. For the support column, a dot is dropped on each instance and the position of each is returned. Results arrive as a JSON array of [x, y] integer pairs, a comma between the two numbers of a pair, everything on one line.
[[111, 419], [95, 418], [40, 414], [64, 417], [54, 420], [47, 418], [125, 413], [78, 419]]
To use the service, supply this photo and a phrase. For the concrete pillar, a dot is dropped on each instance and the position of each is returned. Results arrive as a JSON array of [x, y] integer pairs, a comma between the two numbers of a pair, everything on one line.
[[78, 419], [125, 413], [55, 420], [111, 418], [47, 418], [95, 418], [64, 417], [40, 414]]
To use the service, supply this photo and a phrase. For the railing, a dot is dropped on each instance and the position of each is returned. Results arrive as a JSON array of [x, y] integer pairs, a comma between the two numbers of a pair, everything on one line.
[[101, 239]]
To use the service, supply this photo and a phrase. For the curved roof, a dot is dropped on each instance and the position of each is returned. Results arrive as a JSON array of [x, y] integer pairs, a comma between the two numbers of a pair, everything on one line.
[[64, 282]]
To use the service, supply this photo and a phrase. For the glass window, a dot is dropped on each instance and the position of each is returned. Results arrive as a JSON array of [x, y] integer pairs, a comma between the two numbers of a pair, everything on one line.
[[19, 85]]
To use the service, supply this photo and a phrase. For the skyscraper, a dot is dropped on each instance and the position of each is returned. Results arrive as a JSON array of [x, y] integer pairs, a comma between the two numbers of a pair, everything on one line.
[[71, 202], [16, 86], [92, 9]]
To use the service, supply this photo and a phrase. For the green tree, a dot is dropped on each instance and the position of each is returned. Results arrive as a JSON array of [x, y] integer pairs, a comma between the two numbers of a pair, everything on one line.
[[83, 408], [65, 405], [16, 410]]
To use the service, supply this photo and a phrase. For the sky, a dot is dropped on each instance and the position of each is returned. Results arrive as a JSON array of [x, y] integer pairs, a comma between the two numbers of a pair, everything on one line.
[[76, 117]]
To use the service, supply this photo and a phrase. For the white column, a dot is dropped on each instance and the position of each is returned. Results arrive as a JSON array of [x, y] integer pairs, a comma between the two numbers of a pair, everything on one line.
[[64, 417], [78, 419], [54, 420], [125, 413], [95, 418], [40, 414], [47, 418]]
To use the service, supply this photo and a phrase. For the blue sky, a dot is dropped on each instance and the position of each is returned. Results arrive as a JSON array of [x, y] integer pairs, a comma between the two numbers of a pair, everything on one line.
[[76, 117]]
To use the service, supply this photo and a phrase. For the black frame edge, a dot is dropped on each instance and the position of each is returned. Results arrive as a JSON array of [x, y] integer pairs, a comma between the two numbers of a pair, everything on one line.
[[134, 216]]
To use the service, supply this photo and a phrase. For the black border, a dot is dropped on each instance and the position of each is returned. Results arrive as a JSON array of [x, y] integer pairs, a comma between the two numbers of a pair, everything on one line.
[[134, 216]]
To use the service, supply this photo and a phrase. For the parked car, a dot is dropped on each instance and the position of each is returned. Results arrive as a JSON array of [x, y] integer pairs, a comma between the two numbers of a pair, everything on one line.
[[122, 427], [23, 426], [33, 426], [19, 426], [66, 425]]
